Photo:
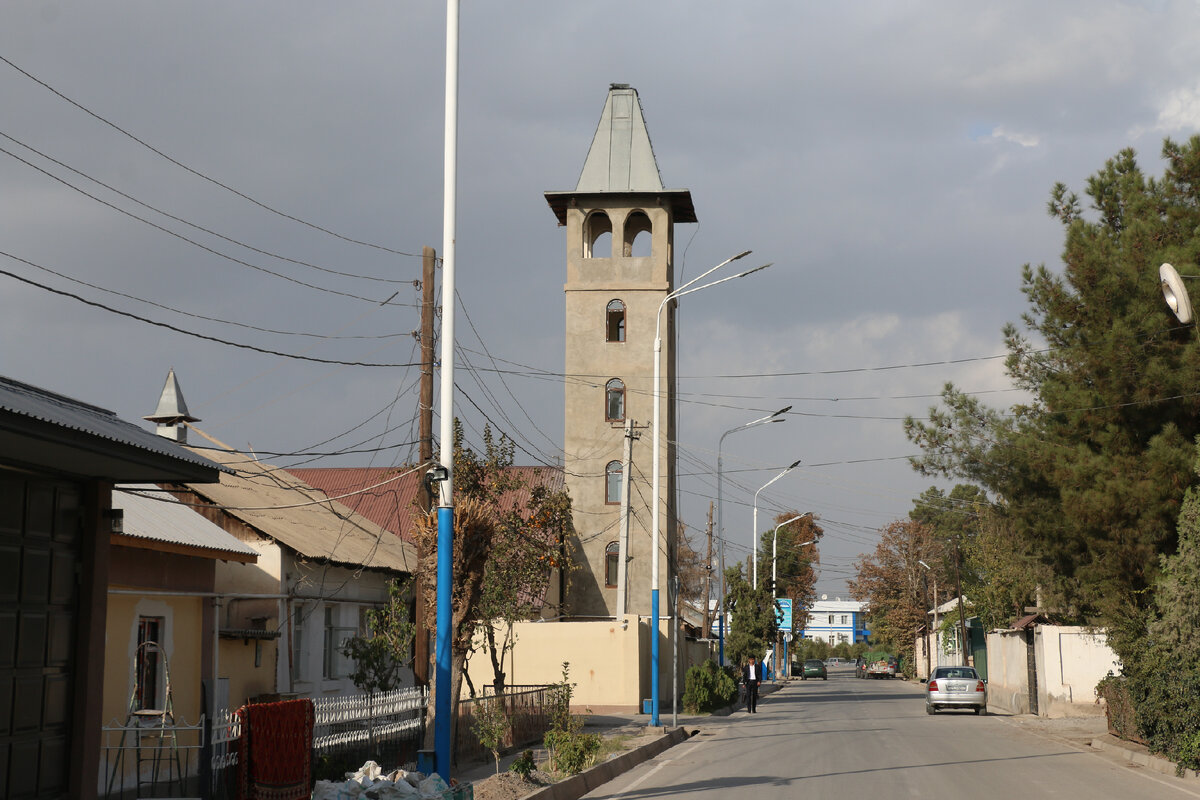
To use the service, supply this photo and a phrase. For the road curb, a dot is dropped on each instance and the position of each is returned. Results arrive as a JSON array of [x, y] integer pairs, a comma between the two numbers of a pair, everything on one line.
[[577, 786], [1138, 754]]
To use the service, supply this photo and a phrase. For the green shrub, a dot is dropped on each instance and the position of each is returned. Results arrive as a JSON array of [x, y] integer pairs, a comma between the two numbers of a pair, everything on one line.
[[1163, 691], [523, 765], [1122, 719], [573, 751], [707, 687], [570, 749]]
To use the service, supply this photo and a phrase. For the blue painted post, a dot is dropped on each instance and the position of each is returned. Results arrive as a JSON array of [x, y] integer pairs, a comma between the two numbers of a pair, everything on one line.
[[654, 654], [445, 577]]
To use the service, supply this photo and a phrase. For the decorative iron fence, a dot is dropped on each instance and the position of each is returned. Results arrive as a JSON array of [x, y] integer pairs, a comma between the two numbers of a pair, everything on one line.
[[386, 728], [181, 760], [151, 757], [527, 708]]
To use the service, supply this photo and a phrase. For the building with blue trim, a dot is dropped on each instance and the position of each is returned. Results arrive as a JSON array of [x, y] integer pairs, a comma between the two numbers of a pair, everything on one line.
[[836, 621]]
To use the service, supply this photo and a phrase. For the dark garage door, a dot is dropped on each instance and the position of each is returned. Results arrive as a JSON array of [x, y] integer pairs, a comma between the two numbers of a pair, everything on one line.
[[40, 525]]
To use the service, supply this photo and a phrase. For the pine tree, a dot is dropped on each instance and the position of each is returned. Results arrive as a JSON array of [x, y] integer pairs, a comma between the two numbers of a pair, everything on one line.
[[1092, 471]]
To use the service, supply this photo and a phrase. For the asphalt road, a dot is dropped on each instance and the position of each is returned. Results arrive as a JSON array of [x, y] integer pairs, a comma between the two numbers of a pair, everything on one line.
[[849, 738]]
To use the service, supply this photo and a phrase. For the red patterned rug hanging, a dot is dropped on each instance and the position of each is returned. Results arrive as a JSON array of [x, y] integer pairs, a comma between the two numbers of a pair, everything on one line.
[[275, 751]]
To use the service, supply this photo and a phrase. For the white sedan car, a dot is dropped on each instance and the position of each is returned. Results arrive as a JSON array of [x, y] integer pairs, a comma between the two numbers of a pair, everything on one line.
[[955, 687]]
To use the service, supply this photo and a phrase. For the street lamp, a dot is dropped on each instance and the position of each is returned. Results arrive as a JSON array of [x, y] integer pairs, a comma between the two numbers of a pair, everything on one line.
[[776, 417], [687, 288], [794, 464], [1175, 294], [775, 578]]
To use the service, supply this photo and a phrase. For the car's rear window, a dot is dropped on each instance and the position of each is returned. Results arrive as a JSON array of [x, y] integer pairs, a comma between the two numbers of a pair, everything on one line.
[[955, 672]]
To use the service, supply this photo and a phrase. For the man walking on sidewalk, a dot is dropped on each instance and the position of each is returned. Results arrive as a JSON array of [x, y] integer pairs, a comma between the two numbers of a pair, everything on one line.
[[751, 675]]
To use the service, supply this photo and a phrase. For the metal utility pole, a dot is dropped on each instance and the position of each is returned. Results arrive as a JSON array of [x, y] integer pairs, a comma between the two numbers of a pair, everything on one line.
[[443, 701], [623, 542]]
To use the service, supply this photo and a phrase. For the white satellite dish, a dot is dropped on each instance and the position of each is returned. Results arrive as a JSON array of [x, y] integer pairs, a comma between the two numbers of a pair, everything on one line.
[[1175, 293], [824, 597]]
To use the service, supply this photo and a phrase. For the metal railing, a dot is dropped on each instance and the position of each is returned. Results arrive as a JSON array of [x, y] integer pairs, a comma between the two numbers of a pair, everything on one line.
[[527, 708], [151, 758]]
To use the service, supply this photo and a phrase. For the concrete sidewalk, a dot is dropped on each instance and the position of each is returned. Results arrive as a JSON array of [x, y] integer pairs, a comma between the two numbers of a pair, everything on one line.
[[611, 725]]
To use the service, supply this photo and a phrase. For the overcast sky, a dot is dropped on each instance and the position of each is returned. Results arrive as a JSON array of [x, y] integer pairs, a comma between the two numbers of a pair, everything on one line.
[[893, 159]]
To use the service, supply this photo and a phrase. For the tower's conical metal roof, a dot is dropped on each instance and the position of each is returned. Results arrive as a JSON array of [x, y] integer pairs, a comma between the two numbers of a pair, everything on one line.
[[172, 408], [621, 159]]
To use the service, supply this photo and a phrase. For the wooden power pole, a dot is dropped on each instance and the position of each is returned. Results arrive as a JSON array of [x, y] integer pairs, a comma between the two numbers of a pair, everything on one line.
[[425, 453], [708, 568]]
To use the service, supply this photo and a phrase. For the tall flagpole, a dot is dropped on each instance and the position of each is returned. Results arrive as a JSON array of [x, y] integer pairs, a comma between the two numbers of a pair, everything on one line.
[[445, 539]]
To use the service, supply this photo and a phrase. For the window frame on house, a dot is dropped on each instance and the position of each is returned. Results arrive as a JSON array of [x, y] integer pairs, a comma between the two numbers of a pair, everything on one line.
[[614, 391], [148, 658], [612, 564], [299, 672]]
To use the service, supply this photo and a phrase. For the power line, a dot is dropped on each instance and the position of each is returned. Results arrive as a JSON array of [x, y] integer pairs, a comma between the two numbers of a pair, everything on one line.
[[183, 331], [194, 243], [199, 174], [203, 317], [174, 217]]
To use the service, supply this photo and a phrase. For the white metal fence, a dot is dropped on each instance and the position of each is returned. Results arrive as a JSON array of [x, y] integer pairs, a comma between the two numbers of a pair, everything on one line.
[[201, 760]]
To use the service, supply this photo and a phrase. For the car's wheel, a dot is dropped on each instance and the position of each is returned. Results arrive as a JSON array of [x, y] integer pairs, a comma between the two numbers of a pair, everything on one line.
[[980, 711], [930, 710]]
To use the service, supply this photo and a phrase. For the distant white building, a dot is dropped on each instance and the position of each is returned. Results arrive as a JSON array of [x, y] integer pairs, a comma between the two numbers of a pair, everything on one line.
[[836, 621]]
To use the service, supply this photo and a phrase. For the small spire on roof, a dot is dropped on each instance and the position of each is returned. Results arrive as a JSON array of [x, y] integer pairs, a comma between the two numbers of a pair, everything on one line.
[[172, 411]]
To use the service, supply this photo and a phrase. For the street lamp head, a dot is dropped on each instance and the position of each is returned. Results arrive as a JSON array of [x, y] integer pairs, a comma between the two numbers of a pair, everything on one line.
[[756, 269], [795, 464], [1175, 294], [782, 411]]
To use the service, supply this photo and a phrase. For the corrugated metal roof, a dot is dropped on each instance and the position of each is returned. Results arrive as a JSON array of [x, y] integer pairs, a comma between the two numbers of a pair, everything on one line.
[[260, 495], [393, 504], [156, 515], [37, 404]]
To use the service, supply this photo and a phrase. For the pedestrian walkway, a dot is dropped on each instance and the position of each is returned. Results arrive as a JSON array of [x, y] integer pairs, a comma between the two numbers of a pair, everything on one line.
[[609, 725]]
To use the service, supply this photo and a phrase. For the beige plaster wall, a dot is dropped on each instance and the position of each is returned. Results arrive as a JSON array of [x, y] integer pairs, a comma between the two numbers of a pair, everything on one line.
[[609, 661], [237, 664], [590, 441], [181, 644], [1071, 660], [1008, 672]]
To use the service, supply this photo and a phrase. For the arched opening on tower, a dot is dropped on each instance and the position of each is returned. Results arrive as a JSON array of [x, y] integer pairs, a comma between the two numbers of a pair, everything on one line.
[[597, 236], [614, 401], [614, 321], [639, 236]]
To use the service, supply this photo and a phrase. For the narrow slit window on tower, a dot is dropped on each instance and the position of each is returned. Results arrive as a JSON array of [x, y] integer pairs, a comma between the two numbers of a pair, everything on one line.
[[614, 322], [612, 556], [614, 400], [612, 482]]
